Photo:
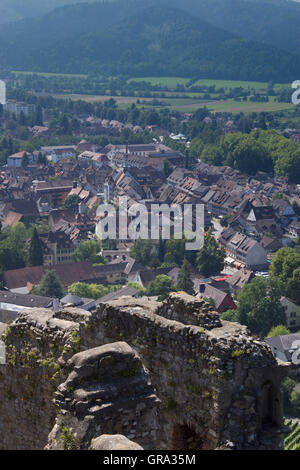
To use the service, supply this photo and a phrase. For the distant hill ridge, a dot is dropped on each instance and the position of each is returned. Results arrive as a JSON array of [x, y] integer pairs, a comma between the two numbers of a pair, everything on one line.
[[142, 38], [14, 10]]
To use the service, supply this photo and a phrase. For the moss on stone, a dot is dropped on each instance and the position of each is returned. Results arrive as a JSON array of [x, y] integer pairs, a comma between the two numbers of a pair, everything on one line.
[[238, 353]]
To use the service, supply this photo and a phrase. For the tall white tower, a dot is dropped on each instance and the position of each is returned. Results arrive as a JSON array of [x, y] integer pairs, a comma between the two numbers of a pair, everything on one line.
[[2, 92]]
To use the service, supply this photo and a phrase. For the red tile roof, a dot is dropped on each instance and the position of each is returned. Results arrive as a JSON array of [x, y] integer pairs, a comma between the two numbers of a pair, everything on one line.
[[11, 219], [68, 273]]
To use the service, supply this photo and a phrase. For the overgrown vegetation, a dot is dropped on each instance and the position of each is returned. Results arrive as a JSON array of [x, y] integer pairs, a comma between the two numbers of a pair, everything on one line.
[[292, 441]]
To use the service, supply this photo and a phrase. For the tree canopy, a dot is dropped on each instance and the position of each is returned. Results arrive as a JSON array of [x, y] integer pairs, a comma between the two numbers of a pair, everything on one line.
[[161, 286], [35, 257], [279, 330], [142, 251], [259, 306], [92, 35], [89, 251], [285, 267], [210, 259], [50, 286], [185, 282], [92, 291], [71, 202]]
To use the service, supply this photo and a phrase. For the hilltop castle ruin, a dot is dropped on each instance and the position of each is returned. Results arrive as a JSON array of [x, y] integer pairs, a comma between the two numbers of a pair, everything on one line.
[[167, 375]]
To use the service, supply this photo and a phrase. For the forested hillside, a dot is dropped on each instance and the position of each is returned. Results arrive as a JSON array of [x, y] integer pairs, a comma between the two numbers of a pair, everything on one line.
[[14, 10], [159, 40], [274, 23]]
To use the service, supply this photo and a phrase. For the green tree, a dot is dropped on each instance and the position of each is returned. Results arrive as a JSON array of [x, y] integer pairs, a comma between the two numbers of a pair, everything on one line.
[[71, 201], [201, 113], [92, 291], [141, 290], [288, 164], [231, 315], [22, 119], [17, 237], [25, 160], [82, 290], [285, 261], [38, 118], [42, 159], [167, 168], [285, 267], [185, 282], [196, 147], [161, 250], [35, 256], [295, 401], [109, 244], [210, 259], [50, 286], [187, 159], [245, 153], [296, 208], [64, 125], [89, 251], [224, 220], [210, 300], [279, 196], [279, 330], [175, 251], [161, 286], [288, 386], [212, 154], [141, 251], [10, 258], [259, 306], [293, 286]]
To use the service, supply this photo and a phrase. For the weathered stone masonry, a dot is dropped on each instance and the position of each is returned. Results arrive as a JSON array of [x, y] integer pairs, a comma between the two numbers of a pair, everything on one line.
[[183, 380]]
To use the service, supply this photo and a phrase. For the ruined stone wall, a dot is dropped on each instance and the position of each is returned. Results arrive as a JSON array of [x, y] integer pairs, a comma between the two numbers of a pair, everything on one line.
[[37, 346], [214, 380], [107, 392], [214, 385]]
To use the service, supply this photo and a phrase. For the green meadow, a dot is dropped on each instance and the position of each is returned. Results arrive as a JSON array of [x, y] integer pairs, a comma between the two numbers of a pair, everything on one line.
[[45, 74], [187, 104], [183, 101], [169, 82], [172, 82], [227, 84]]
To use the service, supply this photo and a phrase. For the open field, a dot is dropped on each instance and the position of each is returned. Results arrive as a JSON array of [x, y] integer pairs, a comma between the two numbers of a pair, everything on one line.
[[187, 104], [45, 74], [227, 84], [232, 106], [121, 100], [171, 82]]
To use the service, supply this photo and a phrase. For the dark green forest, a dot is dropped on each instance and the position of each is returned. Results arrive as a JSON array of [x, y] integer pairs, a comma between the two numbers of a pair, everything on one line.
[[14, 10], [271, 22], [132, 38]]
